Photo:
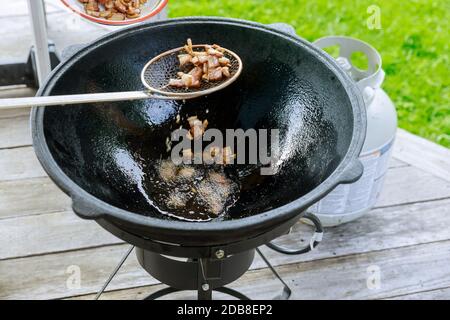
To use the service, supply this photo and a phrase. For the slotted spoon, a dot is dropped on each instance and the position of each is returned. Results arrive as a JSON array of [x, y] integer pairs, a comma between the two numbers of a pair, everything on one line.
[[155, 77]]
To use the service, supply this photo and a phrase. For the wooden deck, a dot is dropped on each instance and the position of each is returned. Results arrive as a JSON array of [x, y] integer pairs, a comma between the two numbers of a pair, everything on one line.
[[406, 237]]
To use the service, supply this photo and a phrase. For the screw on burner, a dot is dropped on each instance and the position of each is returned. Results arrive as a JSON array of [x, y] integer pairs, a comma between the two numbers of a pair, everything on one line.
[[205, 287], [220, 254]]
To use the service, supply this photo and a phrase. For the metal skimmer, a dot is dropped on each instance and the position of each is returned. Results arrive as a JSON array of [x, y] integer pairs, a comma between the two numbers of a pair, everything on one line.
[[158, 71], [155, 77]]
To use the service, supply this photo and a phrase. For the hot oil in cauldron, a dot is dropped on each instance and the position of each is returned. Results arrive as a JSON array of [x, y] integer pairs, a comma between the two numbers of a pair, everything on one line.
[[191, 192]]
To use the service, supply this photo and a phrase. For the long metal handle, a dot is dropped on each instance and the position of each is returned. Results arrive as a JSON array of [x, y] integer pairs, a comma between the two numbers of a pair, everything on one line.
[[83, 98]]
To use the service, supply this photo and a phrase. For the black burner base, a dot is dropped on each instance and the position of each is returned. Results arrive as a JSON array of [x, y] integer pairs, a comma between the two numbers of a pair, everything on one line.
[[166, 291], [209, 268], [203, 275]]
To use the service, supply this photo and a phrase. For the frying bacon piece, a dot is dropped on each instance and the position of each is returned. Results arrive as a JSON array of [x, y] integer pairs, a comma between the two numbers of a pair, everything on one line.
[[93, 13], [197, 127], [106, 14], [188, 47], [196, 74], [119, 6], [177, 200], [215, 52], [213, 62], [113, 9], [202, 59], [92, 5], [195, 61], [109, 4], [226, 72], [184, 59], [224, 62], [228, 155], [191, 120], [186, 81], [133, 12], [215, 74], [178, 83], [167, 170], [218, 48], [209, 65], [186, 173]]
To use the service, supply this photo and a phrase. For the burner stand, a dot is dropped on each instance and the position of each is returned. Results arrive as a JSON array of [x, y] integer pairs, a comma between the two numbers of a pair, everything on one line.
[[203, 275], [210, 268]]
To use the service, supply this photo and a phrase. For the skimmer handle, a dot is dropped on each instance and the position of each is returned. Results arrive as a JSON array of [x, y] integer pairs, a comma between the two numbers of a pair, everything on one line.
[[63, 100]]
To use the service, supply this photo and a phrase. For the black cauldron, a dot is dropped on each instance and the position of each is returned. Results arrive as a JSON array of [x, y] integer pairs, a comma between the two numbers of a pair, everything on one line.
[[95, 153]]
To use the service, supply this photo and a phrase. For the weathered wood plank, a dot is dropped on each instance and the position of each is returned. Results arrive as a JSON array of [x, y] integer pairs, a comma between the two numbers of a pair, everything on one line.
[[52, 232], [15, 132], [395, 163], [15, 91], [402, 226], [403, 185], [383, 229], [423, 154], [439, 294], [415, 268], [46, 277], [19, 163], [410, 184], [31, 196], [14, 113], [423, 267]]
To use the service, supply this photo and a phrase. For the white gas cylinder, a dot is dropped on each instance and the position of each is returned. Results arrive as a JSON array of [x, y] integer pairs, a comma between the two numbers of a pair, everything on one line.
[[351, 201]]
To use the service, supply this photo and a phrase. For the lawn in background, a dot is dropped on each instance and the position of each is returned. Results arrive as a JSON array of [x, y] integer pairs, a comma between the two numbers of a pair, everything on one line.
[[413, 41]]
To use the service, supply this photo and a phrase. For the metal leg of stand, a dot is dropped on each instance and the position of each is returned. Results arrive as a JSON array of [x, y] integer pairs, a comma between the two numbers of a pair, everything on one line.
[[161, 293], [37, 13], [204, 291], [169, 290], [286, 293], [113, 274]]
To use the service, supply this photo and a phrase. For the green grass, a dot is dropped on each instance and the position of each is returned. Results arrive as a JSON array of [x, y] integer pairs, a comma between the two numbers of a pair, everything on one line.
[[413, 42]]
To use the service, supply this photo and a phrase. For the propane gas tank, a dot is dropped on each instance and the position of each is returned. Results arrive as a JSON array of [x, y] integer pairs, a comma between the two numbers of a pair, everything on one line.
[[351, 201]]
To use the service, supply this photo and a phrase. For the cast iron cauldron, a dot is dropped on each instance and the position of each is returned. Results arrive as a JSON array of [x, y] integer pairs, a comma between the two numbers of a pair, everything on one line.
[[97, 153]]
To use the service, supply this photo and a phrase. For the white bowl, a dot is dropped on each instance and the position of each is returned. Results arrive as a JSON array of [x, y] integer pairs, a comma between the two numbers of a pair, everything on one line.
[[148, 10]]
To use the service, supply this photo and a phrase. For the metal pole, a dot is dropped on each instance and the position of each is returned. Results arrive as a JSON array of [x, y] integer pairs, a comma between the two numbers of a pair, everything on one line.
[[37, 13], [113, 274]]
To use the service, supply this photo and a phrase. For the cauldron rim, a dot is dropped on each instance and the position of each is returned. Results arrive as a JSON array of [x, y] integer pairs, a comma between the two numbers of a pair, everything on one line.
[[89, 207]]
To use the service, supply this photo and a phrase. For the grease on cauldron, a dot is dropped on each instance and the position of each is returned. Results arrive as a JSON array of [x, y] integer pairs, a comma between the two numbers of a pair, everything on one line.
[[192, 193]]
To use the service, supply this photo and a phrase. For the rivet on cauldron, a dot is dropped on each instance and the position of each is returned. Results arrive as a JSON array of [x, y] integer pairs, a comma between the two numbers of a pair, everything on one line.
[[220, 254], [205, 287]]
